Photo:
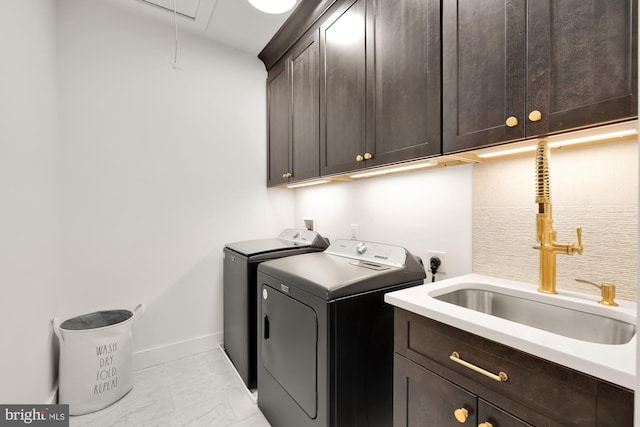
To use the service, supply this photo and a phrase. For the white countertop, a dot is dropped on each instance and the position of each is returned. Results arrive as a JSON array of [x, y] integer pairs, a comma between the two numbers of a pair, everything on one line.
[[612, 363]]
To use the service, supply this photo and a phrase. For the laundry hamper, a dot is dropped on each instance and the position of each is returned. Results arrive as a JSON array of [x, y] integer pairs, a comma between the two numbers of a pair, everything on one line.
[[96, 354]]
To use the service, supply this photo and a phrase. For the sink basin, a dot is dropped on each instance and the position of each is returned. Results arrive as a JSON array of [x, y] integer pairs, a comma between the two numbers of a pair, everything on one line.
[[559, 320], [569, 328]]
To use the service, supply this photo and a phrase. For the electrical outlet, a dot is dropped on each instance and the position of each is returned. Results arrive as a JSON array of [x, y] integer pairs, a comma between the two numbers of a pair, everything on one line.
[[310, 223], [444, 264]]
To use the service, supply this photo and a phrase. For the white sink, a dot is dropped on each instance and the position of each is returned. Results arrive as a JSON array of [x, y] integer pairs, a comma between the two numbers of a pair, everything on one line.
[[569, 328]]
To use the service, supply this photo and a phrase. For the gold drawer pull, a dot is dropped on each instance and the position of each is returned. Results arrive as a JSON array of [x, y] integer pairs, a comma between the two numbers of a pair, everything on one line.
[[485, 424], [502, 376]]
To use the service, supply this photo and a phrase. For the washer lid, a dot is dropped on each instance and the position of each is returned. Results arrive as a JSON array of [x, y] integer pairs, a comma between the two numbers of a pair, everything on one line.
[[342, 271], [290, 238]]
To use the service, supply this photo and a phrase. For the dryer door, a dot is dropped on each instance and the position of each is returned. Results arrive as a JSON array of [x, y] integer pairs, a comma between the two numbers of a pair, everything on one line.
[[289, 339]]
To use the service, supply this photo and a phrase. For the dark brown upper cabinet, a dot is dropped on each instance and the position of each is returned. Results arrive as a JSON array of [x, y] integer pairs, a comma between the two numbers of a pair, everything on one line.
[[293, 124], [379, 83], [278, 104], [403, 80], [343, 111], [516, 69]]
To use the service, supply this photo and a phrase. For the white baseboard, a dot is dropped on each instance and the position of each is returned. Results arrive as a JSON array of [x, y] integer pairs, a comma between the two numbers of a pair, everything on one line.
[[154, 356], [53, 396]]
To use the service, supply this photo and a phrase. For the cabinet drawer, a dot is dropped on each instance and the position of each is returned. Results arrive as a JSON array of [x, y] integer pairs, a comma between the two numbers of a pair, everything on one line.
[[549, 389]]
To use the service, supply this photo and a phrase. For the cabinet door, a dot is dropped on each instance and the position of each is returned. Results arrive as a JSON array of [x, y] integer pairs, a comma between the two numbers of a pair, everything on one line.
[[483, 72], [403, 79], [278, 99], [342, 88], [496, 417], [424, 399], [582, 63], [305, 91]]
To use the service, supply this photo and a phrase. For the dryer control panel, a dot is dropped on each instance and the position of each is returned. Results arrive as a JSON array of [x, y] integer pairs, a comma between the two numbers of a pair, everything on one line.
[[370, 254], [299, 236]]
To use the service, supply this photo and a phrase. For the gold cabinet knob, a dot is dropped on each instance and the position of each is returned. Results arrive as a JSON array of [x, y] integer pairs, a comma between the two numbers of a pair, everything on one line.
[[284, 175], [461, 414], [287, 175], [511, 121], [359, 158], [535, 116], [368, 156], [485, 424]]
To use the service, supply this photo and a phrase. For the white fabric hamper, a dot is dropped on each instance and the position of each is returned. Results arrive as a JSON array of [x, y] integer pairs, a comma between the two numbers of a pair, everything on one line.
[[96, 366]]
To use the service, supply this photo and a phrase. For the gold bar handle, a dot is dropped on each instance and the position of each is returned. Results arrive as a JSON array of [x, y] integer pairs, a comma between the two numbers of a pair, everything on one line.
[[501, 377]]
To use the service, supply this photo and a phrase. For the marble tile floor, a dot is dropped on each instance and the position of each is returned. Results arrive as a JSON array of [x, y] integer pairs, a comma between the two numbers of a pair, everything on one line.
[[198, 391]]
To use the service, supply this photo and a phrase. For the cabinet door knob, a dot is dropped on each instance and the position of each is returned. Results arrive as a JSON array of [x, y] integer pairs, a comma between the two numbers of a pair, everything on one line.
[[284, 175], [511, 121], [461, 414], [535, 116], [485, 424], [368, 156], [359, 158]]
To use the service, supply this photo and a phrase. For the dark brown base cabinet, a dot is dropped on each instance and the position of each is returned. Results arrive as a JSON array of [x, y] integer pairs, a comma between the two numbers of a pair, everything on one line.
[[430, 390]]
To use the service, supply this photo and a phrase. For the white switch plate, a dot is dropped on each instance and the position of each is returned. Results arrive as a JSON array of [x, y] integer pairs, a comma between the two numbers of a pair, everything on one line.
[[354, 231], [310, 223]]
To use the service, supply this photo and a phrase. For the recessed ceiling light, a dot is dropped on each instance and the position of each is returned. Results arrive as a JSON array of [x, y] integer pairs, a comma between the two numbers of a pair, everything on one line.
[[273, 6]]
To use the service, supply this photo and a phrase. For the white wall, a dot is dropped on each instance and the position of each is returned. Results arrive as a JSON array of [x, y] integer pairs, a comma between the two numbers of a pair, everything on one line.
[[421, 211], [29, 208], [161, 168]]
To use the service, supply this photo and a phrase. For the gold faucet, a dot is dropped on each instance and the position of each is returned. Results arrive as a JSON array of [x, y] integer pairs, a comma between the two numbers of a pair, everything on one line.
[[546, 235]]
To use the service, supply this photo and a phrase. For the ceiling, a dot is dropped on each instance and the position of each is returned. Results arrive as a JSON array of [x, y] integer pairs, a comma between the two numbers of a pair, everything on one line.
[[232, 22]]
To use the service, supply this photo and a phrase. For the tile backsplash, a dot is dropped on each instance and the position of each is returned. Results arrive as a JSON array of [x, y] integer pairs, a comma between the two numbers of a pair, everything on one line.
[[594, 187]]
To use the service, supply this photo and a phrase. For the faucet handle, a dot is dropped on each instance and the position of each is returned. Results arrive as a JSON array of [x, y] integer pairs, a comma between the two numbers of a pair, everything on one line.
[[607, 291], [579, 248]]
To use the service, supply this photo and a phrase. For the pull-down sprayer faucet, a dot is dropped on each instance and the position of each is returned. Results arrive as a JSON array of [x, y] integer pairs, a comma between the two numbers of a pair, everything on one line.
[[546, 235]]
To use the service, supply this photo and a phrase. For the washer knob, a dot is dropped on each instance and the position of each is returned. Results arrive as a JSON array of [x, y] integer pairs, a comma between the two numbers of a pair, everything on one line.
[[361, 248]]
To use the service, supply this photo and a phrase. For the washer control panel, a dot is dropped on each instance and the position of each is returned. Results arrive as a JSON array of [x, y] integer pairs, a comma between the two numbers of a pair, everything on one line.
[[299, 235], [368, 253]]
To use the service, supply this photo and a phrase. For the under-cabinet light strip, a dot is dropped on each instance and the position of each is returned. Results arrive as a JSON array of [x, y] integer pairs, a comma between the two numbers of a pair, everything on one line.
[[591, 138], [392, 170], [507, 152], [562, 143], [307, 184]]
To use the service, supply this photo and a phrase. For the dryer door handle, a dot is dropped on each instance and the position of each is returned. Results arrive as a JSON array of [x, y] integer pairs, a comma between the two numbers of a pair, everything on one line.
[[265, 327]]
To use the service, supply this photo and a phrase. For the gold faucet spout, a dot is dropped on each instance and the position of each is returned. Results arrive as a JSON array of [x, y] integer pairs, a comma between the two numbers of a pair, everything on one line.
[[546, 235]]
